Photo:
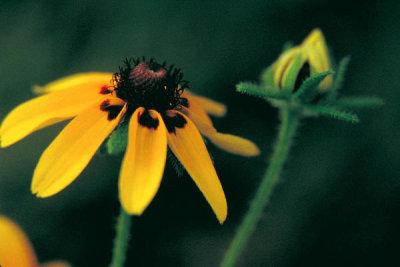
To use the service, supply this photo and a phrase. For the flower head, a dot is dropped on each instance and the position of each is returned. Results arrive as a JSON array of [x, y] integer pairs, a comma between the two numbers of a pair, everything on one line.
[[15, 248], [148, 96], [303, 79], [300, 62]]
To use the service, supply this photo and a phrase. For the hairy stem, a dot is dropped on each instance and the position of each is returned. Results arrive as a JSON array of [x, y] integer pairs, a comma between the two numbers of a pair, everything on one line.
[[290, 121], [121, 239]]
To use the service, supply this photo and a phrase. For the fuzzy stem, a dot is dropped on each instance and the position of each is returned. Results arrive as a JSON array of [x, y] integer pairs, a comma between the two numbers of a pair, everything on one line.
[[290, 120], [121, 239]]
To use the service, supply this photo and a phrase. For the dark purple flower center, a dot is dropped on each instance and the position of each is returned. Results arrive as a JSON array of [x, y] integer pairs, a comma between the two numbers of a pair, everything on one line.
[[150, 85], [148, 74]]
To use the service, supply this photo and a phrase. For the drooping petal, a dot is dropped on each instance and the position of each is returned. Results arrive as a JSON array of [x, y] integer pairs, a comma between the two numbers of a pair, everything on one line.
[[73, 148], [55, 264], [80, 80], [228, 142], [194, 107], [144, 161], [186, 143], [210, 106], [15, 248], [204, 127], [46, 110], [234, 144]]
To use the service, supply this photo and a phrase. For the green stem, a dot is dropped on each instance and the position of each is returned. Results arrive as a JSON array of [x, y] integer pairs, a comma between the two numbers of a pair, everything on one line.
[[290, 120], [121, 239]]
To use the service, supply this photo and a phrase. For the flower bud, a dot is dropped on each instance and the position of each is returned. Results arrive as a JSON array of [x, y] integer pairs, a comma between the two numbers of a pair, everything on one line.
[[300, 62], [317, 54]]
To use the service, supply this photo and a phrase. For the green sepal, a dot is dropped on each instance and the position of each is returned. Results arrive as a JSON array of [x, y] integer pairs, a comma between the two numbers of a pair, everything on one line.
[[267, 79], [178, 167], [286, 46], [118, 140], [338, 78], [293, 71], [309, 88], [358, 102], [102, 149], [256, 90], [333, 112]]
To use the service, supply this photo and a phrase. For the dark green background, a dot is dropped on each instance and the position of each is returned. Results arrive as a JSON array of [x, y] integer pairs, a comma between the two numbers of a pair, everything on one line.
[[339, 198]]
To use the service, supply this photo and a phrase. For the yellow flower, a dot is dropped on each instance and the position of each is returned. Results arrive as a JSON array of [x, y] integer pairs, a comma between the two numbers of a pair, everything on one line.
[[149, 95], [302, 61], [15, 248]]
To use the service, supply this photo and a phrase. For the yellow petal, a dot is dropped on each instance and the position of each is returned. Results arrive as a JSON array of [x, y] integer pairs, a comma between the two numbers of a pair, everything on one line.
[[72, 150], [15, 248], [194, 107], [188, 146], [317, 51], [314, 57], [315, 36], [323, 51], [327, 82], [231, 143], [282, 63], [204, 127], [46, 110], [235, 144], [81, 80], [319, 60], [55, 264], [144, 161], [210, 106]]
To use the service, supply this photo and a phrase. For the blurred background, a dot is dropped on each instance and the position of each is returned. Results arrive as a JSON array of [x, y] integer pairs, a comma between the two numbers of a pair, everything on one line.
[[339, 198]]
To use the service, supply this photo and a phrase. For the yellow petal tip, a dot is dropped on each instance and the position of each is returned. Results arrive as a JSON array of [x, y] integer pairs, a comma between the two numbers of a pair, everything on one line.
[[38, 195], [222, 218], [4, 142], [254, 151], [235, 144], [36, 89], [314, 36], [221, 112], [41, 192]]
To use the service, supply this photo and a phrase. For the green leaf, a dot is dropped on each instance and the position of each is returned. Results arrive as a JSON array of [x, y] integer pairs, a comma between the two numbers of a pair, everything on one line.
[[118, 140], [334, 113], [256, 90], [309, 88], [358, 102], [339, 78]]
